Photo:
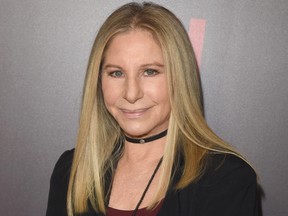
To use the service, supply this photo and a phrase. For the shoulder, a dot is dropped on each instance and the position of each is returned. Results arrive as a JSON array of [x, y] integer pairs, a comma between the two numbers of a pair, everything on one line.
[[227, 187], [59, 185], [63, 165], [226, 167], [60, 176], [65, 159]]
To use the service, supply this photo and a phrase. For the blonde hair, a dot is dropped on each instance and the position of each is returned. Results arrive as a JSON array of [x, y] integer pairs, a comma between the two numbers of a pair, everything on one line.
[[99, 136]]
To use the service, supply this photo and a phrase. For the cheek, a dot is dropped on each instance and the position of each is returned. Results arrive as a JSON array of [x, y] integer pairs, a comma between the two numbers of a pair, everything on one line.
[[108, 95], [160, 93], [111, 97], [165, 99], [111, 91]]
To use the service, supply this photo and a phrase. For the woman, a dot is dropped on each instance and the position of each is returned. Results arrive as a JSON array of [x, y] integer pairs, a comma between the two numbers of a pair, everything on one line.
[[143, 145]]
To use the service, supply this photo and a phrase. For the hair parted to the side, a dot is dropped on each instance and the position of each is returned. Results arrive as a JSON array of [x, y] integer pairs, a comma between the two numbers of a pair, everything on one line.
[[99, 134]]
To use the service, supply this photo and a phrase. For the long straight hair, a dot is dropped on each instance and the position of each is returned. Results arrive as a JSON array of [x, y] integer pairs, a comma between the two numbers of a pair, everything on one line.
[[99, 134]]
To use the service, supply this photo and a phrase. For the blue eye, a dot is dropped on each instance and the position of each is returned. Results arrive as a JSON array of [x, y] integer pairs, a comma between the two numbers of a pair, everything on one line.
[[116, 74], [150, 72]]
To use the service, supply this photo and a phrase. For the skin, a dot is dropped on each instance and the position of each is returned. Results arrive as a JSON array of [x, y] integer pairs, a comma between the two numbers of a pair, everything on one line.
[[135, 91], [134, 84]]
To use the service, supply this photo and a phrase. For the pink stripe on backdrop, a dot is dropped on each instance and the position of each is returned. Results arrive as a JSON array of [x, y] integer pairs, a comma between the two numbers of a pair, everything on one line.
[[196, 34]]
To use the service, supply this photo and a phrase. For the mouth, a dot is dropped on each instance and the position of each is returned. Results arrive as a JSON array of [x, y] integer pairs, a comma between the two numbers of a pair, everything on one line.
[[132, 114]]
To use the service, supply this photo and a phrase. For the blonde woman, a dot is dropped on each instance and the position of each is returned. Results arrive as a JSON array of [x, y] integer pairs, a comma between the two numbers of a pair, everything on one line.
[[144, 147]]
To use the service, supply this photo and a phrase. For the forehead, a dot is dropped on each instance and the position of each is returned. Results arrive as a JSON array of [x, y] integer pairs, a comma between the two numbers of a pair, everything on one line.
[[135, 42], [133, 33]]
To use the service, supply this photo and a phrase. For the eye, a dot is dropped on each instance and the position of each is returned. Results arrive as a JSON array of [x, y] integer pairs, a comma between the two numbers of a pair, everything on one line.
[[150, 72], [116, 74]]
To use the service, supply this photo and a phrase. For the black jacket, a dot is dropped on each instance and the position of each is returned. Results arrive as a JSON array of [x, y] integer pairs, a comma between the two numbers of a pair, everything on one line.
[[227, 188]]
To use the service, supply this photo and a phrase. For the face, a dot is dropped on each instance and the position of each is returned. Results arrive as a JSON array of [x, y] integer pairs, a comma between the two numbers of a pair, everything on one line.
[[134, 84]]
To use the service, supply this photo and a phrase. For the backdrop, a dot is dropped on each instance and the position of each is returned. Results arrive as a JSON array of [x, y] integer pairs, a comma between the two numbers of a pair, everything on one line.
[[242, 49]]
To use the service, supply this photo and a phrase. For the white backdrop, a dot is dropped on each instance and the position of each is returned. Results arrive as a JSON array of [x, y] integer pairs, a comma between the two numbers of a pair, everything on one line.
[[44, 49]]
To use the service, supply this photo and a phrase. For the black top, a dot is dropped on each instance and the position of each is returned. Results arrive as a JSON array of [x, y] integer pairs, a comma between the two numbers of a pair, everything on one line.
[[227, 188]]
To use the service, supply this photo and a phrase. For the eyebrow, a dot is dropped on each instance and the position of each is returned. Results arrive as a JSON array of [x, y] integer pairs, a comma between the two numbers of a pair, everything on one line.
[[111, 65], [153, 64], [142, 66]]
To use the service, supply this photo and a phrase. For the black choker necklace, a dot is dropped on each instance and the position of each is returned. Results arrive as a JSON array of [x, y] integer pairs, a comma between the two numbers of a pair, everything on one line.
[[148, 139]]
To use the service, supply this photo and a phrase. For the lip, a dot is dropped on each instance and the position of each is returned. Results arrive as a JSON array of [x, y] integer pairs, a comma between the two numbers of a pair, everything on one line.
[[135, 113]]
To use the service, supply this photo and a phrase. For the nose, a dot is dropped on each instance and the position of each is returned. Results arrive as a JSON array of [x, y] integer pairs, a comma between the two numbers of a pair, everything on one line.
[[133, 90]]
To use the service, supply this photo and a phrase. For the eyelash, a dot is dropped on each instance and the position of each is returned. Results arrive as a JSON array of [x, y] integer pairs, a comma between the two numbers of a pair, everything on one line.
[[114, 74], [146, 73], [155, 72]]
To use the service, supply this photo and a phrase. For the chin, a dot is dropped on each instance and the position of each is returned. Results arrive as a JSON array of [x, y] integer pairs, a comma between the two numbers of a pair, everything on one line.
[[136, 132]]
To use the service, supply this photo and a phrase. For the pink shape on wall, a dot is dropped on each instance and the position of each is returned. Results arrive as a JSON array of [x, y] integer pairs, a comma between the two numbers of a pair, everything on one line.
[[196, 34]]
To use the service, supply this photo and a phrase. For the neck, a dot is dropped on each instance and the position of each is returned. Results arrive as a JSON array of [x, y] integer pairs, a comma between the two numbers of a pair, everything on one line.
[[146, 139], [150, 151]]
